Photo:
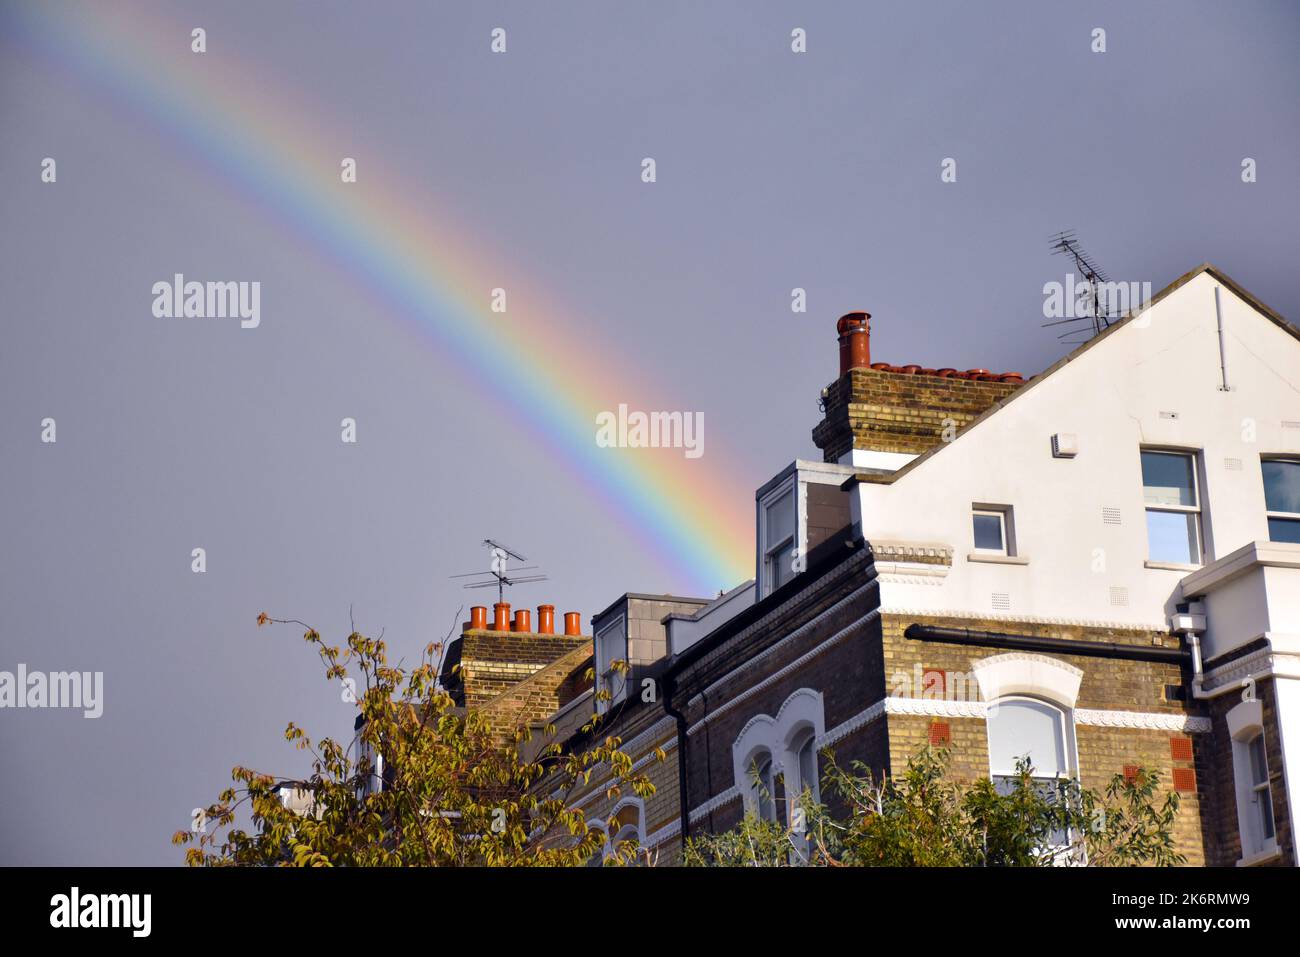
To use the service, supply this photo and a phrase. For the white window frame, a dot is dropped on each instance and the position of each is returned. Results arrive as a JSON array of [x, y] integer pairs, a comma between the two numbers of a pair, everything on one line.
[[1245, 725], [604, 677], [1194, 457], [1285, 516], [1003, 513], [803, 711], [1069, 747], [801, 737], [771, 549]]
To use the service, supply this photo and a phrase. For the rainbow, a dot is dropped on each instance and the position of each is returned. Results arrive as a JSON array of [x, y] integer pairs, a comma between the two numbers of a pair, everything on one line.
[[243, 128]]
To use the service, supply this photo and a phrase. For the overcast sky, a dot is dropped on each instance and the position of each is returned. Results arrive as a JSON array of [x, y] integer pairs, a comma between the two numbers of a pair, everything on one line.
[[775, 170]]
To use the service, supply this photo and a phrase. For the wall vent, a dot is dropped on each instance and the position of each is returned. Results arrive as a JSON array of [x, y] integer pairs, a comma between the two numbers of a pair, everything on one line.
[[1001, 601], [1118, 595], [1110, 515], [1232, 465]]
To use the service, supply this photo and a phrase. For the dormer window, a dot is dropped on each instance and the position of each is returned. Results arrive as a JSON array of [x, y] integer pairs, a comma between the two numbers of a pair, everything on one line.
[[778, 540], [611, 646]]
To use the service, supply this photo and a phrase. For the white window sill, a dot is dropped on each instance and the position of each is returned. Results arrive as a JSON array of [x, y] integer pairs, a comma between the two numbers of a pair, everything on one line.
[[1270, 853], [997, 558], [1172, 566]]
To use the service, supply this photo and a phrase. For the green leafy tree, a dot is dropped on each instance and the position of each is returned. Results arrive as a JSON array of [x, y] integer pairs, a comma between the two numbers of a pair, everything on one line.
[[454, 792], [923, 818]]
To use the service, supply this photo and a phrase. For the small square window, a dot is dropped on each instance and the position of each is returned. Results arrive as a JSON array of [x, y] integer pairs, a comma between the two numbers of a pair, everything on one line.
[[989, 528]]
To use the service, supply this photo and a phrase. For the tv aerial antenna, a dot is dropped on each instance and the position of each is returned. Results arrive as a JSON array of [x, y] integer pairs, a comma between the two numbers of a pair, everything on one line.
[[1066, 243], [499, 575]]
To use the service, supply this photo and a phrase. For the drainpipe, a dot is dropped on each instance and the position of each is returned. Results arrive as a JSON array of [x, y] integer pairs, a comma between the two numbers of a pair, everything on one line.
[[684, 811], [1060, 646], [1189, 621], [1223, 360]]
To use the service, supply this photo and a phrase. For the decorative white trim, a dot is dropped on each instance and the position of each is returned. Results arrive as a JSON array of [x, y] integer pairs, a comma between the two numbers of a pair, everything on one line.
[[1020, 672], [793, 636], [655, 730], [1261, 663], [665, 833], [942, 708], [899, 573], [782, 673], [936, 707], [1162, 627], [1147, 720], [718, 800], [859, 720], [801, 712], [895, 551], [1245, 720]]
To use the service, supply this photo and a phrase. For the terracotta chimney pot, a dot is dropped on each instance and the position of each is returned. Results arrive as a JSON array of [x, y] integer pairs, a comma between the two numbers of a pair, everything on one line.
[[501, 621]]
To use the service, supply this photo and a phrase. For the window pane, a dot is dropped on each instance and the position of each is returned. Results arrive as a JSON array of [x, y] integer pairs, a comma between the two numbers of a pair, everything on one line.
[[1284, 530], [1266, 814], [1282, 488], [988, 531], [1019, 728], [1172, 537], [763, 795], [1258, 763], [782, 565], [1167, 479], [780, 519], [808, 766]]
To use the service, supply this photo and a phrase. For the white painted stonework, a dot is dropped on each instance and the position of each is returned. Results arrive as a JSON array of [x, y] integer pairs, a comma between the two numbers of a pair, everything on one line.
[[1112, 396]]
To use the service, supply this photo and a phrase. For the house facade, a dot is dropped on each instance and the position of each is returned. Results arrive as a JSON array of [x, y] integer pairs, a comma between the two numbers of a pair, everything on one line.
[[1098, 568]]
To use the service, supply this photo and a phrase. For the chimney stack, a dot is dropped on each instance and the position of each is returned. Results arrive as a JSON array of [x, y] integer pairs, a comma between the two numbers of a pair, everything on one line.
[[546, 619], [572, 623], [854, 329], [502, 620], [478, 618], [897, 410], [523, 620]]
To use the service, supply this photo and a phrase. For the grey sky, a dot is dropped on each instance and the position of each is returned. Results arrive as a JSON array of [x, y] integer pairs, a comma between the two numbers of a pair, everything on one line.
[[775, 170]]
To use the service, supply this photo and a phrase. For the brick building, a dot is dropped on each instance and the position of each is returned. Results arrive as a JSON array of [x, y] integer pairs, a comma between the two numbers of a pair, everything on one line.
[[1098, 568]]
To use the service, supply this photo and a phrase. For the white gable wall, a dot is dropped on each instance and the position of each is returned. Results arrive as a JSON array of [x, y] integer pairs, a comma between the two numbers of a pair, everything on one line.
[[1112, 396]]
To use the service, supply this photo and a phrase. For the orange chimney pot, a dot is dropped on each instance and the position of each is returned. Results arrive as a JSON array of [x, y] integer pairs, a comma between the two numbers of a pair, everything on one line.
[[854, 330], [502, 620], [546, 619], [572, 623], [523, 620], [478, 617]]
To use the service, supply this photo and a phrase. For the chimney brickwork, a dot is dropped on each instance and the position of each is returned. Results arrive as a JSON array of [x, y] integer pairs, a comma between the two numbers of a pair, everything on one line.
[[888, 411], [489, 661], [882, 408]]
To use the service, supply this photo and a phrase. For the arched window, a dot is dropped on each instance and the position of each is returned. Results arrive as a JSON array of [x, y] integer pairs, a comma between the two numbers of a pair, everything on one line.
[[763, 785], [1250, 775], [803, 746], [1026, 727], [598, 858], [1021, 728], [775, 759]]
